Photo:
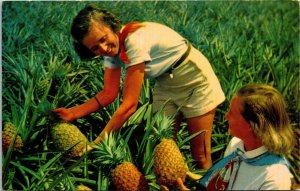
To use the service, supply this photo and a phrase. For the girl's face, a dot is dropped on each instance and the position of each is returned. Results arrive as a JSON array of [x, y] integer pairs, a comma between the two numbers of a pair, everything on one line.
[[238, 126], [101, 40]]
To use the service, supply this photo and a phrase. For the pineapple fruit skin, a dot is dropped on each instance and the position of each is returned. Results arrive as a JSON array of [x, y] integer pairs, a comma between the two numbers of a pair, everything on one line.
[[168, 163], [126, 176], [42, 87], [66, 135], [8, 136]]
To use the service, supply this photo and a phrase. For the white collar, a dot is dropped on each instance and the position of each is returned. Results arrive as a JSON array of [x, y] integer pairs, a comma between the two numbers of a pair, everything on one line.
[[252, 153]]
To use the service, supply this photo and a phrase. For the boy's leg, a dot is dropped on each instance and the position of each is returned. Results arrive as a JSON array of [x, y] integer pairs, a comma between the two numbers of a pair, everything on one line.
[[201, 144]]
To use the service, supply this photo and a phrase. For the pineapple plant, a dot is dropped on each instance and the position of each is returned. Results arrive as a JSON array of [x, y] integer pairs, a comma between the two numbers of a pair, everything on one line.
[[42, 87], [8, 135], [67, 136], [114, 153], [169, 164], [59, 71]]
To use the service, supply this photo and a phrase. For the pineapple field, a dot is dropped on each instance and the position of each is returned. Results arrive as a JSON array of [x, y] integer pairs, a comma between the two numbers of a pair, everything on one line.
[[245, 42]]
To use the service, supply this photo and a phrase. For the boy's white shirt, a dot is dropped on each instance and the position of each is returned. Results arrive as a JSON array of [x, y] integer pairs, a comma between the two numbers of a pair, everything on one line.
[[157, 45], [249, 177]]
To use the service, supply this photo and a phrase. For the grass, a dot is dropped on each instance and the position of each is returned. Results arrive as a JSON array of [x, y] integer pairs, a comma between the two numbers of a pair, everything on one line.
[[245, 41]]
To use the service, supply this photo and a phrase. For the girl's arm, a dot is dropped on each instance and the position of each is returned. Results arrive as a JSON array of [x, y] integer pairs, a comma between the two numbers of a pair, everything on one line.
[[131, 92], [102, 99]]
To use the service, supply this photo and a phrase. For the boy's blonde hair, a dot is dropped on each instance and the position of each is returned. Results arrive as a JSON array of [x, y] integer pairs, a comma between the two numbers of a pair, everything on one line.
[[264, 108]]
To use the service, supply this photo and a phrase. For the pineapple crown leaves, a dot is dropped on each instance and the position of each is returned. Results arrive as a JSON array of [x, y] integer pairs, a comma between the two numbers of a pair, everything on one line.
[[162, 126], [44, 108], [112, 151], [61, 71], [46, 116]]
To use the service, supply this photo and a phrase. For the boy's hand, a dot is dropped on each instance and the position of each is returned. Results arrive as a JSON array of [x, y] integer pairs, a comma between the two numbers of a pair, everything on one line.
[[181, 185]]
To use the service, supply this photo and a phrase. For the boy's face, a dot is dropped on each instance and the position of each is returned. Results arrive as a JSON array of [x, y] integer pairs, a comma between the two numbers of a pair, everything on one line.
[[238, 126], [101, 40]]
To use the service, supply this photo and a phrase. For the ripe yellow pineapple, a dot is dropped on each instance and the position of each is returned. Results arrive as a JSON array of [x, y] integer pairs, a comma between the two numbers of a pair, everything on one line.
[[114, 153], [126, 176], [8, 137], [66, 135], [169, 164]]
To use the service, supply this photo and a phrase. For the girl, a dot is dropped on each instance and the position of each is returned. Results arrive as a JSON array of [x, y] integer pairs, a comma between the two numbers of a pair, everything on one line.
[[183, 76]]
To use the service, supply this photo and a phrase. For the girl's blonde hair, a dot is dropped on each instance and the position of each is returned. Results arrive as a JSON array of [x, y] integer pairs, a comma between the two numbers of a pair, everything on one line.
[[264, 108]]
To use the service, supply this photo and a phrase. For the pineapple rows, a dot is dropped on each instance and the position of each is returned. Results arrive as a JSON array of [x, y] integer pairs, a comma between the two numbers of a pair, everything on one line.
[[113, 153]]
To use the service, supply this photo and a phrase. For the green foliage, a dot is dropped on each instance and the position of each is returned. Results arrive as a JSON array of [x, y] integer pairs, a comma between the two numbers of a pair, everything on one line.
[[112, 151], [245, 41]]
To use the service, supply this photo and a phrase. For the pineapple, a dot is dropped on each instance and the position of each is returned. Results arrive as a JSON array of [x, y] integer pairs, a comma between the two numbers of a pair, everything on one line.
[[8, 135], [113, 152], [126, 176], [82, 187], [66, 135], [169, 164], [59, 73], [41, 87]]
